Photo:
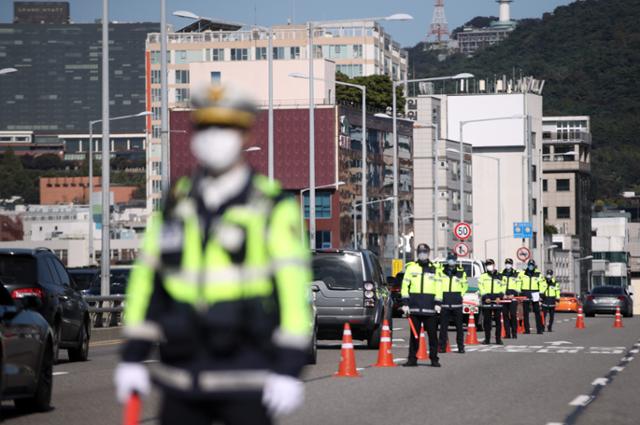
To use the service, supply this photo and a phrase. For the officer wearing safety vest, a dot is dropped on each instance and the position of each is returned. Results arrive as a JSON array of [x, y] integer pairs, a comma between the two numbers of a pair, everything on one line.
[[550, 297], [422, 298], [453, 281], [221, 285], [532, 282], [512, 287], [491, 292]]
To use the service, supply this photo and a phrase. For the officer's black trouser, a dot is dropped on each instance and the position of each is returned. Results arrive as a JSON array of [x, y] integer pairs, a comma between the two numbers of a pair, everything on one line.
[[551, 312], [245, 411], [526, 307], [510, 312], [430, 324], [489, 313], [445, 315]]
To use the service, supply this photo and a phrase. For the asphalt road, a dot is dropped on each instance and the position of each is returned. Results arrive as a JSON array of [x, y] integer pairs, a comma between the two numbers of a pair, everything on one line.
[[537, 379]]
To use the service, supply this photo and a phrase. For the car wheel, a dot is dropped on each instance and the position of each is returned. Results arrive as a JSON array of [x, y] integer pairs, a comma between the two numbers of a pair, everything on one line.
[[373, 341], [81, 352], [41, 400]]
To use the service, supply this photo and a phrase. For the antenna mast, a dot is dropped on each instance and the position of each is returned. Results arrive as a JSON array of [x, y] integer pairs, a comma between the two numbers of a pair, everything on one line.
[[439, 25]]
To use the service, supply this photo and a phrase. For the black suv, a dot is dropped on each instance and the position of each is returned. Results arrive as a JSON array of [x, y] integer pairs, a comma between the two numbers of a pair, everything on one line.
[[38, 272], [350, 287]]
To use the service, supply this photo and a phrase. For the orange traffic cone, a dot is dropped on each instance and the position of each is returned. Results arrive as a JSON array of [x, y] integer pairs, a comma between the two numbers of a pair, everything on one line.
[[448, 348], [520, 326], [542, 317], [580, 319], [132, 410], [347, 368], [618, 322], [423, 354], [503, 332], [385, 356], [472, 334]]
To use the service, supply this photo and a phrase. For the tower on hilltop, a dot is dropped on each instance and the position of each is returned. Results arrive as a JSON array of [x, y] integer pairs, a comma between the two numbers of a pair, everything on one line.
[[439, 26]]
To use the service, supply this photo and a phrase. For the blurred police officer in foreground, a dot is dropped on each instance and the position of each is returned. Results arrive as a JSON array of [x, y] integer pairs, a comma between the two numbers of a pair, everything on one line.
[[453, 281], [550, 297], [512, 286], [221, 285], [422, 299], [531, 281], [491, 293]]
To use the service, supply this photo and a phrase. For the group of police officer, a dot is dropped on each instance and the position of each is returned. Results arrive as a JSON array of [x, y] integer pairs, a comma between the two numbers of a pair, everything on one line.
[[433, 293]]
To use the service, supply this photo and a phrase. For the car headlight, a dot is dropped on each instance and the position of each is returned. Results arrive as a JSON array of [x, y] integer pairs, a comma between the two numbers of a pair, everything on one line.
[[368, 294], [368, 286]]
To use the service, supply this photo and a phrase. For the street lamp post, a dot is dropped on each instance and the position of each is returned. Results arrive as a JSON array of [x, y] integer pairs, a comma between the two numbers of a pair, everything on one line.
[[404, 248], [302, 191], [164, 99], [106, 172], [394, 96], [90, 157]]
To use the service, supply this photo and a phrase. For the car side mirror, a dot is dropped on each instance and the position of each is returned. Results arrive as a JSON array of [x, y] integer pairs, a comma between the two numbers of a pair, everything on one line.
[[31, 302], [315, 288]]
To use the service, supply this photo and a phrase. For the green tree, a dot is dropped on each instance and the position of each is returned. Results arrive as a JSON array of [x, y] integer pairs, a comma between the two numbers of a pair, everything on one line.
[[379, 92]]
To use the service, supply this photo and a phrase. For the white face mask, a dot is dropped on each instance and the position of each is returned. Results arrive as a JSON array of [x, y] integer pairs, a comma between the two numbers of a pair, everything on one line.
[[217, 149], [451, 263], [549, 276], [423, 256], [508, 267], [491, 269]]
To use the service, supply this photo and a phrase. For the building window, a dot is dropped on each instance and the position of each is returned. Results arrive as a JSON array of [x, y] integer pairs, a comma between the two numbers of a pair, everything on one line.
[[182, 95], [357, 50], [563, 185], [155, 132], [563, 212], [323, 205], [534, 206], [216, 77], [155, 113], [214, 55], [278, 53], [534, 173], [294, 53], [156, 95], [182, 76], [181, 56], [544, 185], [545, 213], [155, 76], [261, 53], [239, 54], [350, 70], [323, 239]]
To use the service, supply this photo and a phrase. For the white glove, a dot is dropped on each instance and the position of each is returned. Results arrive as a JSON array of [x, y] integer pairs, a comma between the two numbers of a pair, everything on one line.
[[405, 310], [130, 378], [282, 394], [438, 309]]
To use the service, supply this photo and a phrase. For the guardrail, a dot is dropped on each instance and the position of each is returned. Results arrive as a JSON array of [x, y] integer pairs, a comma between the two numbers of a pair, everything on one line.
[[105, 311]]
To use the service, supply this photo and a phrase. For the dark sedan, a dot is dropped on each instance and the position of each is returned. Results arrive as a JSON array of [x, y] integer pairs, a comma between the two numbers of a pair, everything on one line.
[[27, 357], [605, 300]]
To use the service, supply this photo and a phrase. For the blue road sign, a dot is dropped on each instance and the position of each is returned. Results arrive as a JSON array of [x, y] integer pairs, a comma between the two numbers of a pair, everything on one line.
[[522, 230]]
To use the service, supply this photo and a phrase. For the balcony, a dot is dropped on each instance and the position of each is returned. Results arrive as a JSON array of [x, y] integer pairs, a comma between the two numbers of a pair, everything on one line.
[[550, 138]]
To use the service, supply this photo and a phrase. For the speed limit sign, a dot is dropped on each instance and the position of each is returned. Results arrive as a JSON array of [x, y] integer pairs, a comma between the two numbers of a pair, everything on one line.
[[462, 231], [461, 249]]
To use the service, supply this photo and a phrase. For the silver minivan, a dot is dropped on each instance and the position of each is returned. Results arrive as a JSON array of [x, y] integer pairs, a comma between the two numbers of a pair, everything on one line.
[[350, 287]]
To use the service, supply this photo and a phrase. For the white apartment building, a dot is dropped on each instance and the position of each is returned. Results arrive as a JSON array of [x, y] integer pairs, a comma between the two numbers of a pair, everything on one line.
[[211, 52], [425, 110], [504, 125], [610, 244]]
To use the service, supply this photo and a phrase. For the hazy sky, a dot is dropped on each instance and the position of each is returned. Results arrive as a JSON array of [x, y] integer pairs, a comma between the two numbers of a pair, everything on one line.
[[268, 12]]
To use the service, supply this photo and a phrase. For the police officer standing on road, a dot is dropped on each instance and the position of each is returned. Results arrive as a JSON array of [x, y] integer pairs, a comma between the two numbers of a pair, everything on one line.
[[531, 281], [550, 297], [454, 285], [512, 286], [422, 299], [222, 285], [491, 292]]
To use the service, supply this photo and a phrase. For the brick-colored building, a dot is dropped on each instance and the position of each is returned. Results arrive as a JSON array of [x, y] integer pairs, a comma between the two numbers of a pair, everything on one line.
[[65, 190]]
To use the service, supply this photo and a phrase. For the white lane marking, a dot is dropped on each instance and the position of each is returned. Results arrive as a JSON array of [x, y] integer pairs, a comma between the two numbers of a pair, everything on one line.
[[555, 423], [617, 368], [398, 340], [398, 329], [581, 400], [634, 351], [556, 343], [600, 381], [627, 359], [359, 368], [398, 360], [60, 373]]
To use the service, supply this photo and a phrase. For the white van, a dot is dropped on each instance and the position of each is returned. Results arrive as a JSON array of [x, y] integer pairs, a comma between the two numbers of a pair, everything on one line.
[[473, 268]]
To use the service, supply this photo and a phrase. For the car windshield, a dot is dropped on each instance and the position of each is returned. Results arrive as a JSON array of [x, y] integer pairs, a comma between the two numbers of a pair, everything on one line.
[[83, 279], [607, 290], [338, 271], [18, 269], [119, 277]]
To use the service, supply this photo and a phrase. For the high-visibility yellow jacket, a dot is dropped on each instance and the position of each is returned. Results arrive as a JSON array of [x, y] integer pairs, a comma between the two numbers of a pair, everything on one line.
[[224, 293], [532, 281], [551, 292], [512, 282], [454, 285], [421, 288], [490, 287]]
